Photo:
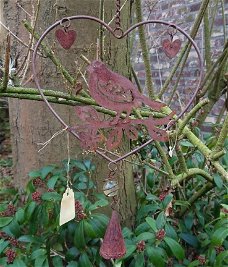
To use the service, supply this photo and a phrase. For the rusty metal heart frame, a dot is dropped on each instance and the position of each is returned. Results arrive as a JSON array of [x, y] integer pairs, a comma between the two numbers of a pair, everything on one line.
[[120, 36]]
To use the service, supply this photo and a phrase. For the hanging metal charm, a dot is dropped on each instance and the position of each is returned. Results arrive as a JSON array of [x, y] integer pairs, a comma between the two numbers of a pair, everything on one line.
[[113, 245], [154, 131], [65, 36], [170, 46]]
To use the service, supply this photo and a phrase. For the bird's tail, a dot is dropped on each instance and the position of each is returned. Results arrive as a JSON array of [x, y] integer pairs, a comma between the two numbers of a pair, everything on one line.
[[156, 105]]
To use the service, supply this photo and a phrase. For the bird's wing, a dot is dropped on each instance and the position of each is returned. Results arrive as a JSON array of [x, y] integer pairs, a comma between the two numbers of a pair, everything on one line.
[[114, 92]]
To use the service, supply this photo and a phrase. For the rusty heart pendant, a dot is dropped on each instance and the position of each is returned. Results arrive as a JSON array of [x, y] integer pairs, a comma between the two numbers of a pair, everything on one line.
[[66, 38], [171, 48]]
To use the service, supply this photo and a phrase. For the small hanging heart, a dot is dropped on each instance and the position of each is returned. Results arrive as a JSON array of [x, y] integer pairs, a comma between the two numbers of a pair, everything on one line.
[[171, 48], [66, 38]]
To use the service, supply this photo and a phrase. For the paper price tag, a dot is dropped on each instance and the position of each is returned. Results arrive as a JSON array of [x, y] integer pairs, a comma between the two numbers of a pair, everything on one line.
[[67, 209]]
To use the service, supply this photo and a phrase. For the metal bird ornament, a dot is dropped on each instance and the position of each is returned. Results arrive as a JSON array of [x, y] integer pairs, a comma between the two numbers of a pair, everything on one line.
[[114, 91]]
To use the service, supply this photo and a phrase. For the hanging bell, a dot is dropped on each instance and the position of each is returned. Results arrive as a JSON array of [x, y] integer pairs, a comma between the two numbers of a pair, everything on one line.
[[111, 188]]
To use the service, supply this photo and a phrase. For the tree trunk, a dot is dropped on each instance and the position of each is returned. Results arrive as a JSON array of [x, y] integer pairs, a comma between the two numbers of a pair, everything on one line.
[[31, 122]]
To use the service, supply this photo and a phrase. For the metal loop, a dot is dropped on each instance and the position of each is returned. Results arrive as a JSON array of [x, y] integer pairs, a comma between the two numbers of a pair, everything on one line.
[[172, 30], [118, 32], [114, 168], [65, 23]]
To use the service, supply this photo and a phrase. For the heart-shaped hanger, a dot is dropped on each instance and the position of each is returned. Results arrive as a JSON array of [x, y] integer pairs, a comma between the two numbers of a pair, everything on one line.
[[119, 34], [65, 38]]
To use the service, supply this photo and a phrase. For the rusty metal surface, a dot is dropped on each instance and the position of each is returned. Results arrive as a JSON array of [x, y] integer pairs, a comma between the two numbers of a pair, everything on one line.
[[132, 99]]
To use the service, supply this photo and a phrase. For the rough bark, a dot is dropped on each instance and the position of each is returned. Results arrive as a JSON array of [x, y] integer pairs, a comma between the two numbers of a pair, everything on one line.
[[31, 122]]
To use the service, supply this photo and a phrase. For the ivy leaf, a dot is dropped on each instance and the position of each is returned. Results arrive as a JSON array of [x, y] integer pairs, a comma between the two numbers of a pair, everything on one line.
[[176, 248]]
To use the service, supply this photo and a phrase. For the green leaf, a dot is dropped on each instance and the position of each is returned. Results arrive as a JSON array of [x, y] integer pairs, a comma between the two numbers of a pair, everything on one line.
[[181, 203], [170, 231], [218, 180], [57, 261], [3, 245], [176, 248], [52, 181], [46, 170], [156, 256], [72, 254], [40, 261], [150, 178], [189, 220], [79, 165], [14, 228], [84, 261], [79, 236], [145, 236], [194, 263], [51, 196], [3, 261], [130, 250], [89, 230], [81, 186], [161, 220], [45, 264], [18, 263], [99, 223], [34, 174], [167, 200], [98, 204], [219, 236], [37, 253], [72, 264], [222, 259], [139, 260], [152, 223], [5, 221], [87, 163], [190, 239], [186, 143], [30, 239], [20, 215], [30, 209]]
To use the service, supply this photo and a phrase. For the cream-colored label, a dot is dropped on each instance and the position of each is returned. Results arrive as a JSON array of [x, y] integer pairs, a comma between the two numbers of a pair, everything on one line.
[[67, 210]]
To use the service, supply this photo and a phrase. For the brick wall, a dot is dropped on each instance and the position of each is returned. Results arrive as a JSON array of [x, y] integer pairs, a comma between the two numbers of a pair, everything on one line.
[[182, 13]]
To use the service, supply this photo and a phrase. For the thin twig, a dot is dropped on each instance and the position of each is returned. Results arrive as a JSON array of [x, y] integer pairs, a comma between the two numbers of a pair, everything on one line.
[[17, 38]]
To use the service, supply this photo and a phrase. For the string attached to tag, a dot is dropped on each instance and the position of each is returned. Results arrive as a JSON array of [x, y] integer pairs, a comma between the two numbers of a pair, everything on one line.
[[67, 208], [49, 140], [172, 145]]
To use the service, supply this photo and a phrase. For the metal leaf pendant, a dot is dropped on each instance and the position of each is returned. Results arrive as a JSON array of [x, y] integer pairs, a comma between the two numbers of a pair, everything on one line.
[[113, 246], [171, 48], [65, 38]]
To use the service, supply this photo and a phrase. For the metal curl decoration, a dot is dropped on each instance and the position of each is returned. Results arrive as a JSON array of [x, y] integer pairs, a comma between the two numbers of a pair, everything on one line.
[[118, 36]]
